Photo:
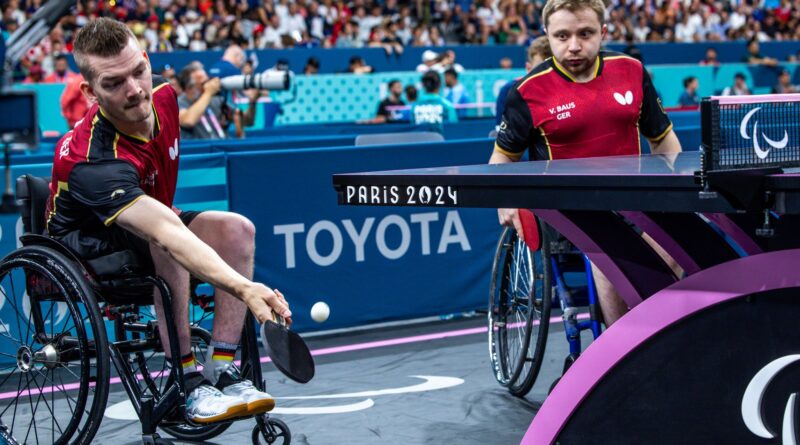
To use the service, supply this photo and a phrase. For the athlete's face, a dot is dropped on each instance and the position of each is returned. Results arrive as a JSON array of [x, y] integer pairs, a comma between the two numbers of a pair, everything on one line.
[[575, 39], [123, 85]]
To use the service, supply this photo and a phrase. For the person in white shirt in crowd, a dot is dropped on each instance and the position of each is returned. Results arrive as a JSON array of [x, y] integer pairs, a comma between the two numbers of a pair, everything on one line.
[[271, 38], [429, 59], [739, 87], [295, 22]]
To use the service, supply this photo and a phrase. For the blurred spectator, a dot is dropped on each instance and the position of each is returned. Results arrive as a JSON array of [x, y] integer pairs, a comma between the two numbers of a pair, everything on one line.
[[35, 74], [631, 49], [61, 72], [754, 56], [168, 73], [393, 99], [689, 98], [430, 110], [506, 63], [410, 93], [204, 114], [358, 66], [312, 66], [711, 57], [231, 63], [455, 92], [739, 87], [271, 38], [73, 103], [784, 85], [429, 59], [447, 61]]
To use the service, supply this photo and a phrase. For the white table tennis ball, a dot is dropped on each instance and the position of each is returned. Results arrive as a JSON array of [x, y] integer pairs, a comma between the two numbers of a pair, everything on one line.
[[320, 311]]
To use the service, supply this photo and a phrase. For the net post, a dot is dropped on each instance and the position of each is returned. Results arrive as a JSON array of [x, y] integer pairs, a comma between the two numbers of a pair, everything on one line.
[[706, 147]]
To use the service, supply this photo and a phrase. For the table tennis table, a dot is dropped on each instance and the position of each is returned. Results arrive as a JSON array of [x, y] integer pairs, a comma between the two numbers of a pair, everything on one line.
[[710, 357]]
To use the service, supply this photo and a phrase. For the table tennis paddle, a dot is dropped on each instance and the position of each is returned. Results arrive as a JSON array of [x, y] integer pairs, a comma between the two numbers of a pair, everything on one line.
[[530, 227], [287, 350]]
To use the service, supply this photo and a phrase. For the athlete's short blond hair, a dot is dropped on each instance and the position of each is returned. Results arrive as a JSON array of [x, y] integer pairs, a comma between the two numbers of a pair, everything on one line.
[[598, 6]]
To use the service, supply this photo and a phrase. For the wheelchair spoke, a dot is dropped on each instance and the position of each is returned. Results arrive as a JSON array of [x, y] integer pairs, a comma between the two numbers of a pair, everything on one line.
[[33, 421]]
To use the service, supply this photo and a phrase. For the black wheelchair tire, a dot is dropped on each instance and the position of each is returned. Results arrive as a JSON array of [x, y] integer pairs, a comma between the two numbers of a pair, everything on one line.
[[70, 281], [517, 369]]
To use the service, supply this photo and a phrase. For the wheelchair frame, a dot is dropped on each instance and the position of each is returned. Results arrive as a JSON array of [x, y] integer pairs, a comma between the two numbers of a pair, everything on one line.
[[62, 277], [525, 284]]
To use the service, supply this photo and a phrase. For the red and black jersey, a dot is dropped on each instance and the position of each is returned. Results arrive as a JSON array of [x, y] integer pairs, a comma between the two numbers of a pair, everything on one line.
[[559, 118], [99, 171]]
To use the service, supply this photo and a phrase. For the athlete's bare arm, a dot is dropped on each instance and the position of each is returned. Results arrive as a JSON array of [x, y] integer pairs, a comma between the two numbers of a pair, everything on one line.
[[159, 225], [668, 144]]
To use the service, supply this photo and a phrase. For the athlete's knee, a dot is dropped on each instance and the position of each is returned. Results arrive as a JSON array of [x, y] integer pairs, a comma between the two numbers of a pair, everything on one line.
[[239, 233]]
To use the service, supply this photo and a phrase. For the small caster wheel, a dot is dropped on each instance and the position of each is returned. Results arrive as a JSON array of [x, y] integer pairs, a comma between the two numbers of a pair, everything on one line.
[[273, 431]]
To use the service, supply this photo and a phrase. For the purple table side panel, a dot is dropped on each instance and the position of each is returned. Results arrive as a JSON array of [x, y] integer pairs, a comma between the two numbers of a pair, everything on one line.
[[727, 281], [735, 232], [663, 239], [586, 245]]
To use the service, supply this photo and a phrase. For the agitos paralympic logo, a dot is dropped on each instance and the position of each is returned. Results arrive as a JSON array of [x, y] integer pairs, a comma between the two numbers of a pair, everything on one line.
[[753, 398], [761, 153]]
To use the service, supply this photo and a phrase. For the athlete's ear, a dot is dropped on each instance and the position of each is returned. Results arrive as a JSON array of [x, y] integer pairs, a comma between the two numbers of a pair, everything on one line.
[[604, 31], [88, 92]]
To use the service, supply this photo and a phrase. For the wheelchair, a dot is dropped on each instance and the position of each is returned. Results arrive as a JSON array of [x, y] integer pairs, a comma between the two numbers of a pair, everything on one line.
[[526, 282], [73, 323]]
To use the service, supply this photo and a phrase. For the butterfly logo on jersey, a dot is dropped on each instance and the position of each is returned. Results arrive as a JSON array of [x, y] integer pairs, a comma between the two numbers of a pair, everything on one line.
[[173, 150], [762, 154], [627, 99]]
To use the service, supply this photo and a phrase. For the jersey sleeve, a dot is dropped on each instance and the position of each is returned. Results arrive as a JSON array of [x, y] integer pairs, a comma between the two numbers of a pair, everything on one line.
[[653, 121], [513, 137], [106, 187]]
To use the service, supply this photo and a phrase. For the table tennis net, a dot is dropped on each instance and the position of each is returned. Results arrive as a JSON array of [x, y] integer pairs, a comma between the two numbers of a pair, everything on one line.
[[741, 132]]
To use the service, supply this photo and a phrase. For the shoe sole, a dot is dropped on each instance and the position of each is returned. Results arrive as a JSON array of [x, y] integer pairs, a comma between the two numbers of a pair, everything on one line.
[[233, 411], [260, 406]]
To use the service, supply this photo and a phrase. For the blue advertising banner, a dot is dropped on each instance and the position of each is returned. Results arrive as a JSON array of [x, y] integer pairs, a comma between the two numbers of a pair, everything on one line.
[[369, 264]]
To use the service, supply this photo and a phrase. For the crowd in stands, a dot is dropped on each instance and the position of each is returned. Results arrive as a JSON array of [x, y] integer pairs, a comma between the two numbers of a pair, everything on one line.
[[164, 25]]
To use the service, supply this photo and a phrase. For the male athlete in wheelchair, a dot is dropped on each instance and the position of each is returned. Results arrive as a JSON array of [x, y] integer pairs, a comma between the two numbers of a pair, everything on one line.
[[107, 238]]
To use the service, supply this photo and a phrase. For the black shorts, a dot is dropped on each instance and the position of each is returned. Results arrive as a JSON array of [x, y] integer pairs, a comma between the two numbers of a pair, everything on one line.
[[116, 251]]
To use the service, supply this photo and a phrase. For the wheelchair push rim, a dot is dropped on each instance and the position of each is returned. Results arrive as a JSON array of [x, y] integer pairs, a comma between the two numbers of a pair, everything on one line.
[[54, 371]]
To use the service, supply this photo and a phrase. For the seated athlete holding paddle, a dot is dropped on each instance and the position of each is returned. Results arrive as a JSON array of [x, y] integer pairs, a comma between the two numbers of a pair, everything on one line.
[[113, 185], [582, 102]]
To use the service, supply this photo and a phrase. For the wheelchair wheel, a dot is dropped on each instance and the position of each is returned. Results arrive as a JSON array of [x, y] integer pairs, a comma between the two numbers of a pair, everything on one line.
[[273, 431], [54, 363], [519, 312], [154, 377]]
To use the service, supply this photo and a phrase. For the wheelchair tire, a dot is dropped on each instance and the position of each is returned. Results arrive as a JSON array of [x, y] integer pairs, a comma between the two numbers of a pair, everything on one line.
[[58, 346], [520, 298]]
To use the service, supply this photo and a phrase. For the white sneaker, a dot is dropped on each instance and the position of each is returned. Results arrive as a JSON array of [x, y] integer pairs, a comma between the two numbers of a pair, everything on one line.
[[207, 404], [258, 402]]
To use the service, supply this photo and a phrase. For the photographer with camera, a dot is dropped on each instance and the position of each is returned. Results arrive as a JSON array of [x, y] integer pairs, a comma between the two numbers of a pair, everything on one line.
[[204, 113]]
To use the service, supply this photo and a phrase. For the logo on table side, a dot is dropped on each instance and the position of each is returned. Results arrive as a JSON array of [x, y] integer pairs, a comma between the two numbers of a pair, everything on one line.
[[627, 99], [754, 395], [762, 154], [561, 111]]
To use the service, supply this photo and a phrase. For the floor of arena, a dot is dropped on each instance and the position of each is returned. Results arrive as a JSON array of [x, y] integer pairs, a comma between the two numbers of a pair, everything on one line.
[[415, 384]]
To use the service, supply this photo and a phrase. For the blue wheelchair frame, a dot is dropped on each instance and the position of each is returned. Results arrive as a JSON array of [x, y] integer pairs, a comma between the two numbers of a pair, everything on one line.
[[571, 297]]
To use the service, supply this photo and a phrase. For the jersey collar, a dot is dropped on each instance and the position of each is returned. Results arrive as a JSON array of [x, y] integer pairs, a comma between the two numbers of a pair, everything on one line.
[[156, 124], [567, 76]]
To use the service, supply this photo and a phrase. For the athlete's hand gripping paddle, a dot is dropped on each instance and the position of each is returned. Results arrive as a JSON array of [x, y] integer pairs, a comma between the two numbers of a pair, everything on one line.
[[287, 350]]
